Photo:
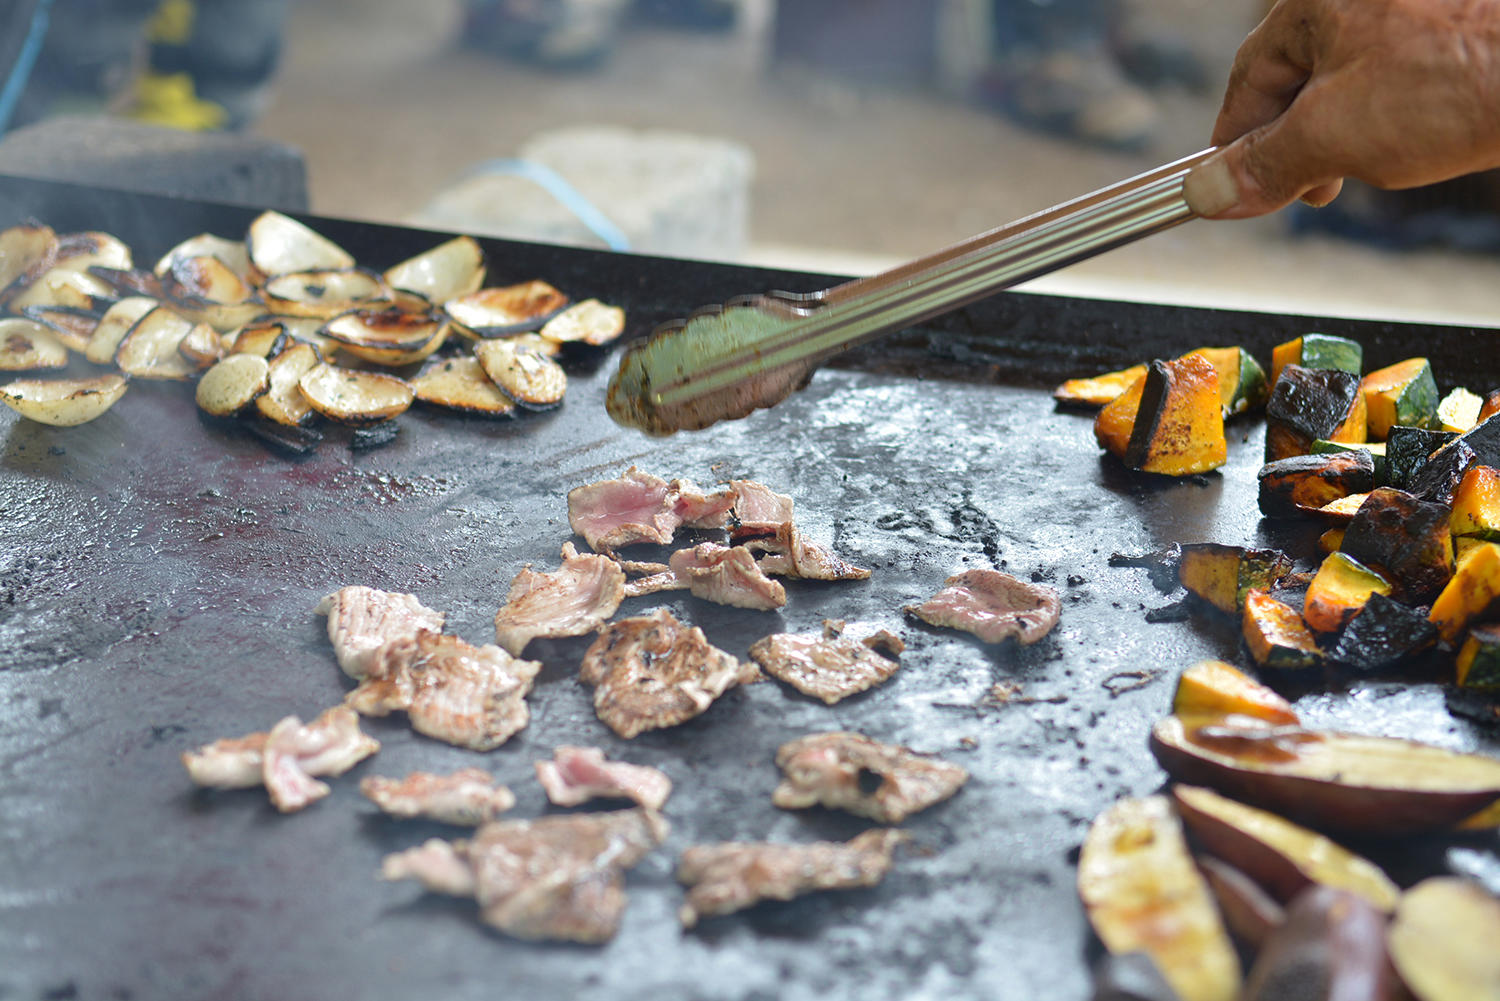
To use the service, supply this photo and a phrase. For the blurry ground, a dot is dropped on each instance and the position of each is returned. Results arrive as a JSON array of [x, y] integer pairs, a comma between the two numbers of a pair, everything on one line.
[[389, 111]]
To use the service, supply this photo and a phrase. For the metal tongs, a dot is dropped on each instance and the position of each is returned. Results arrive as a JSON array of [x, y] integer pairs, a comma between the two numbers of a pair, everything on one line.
[[726, 361]]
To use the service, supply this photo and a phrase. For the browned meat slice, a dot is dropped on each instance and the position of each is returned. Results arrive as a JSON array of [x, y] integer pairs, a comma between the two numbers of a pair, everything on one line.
[[576, 775], [729, 877], [639, 507], [575, 600], [993, 606], [651, 671], [827, 665], [361, 620], [758, 510], [727, 575], [473, 697], [846, 771], [559, 877], [467, 797], [286, 759], [790, 554]]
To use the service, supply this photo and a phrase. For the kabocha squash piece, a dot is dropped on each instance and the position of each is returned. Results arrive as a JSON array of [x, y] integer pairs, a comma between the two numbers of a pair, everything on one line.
[[1277, 636], [1442, 941], [1311, 404], [1249, 912], [1383, 633], [1142, 893], [1484, 439], [1490, 408], [1476, 505], [1443, 471], [1113, 425], [1478, 662], [1179, 426], [1211, 689], [1404, 393], [1300, 484], [1407, 450], [1242, 382], [1465, 546], [1331, 540], [1221, 575], [1471, 595], [1098, 390], [1406, 540], [1341, 511], [1318, 351], [1338, 591], [1459, 411], [1283, 857], [1375, 448]]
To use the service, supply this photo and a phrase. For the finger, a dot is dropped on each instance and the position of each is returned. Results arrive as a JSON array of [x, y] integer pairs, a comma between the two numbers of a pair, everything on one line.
[[1322, 194], [1264, 170], [1269, 69]]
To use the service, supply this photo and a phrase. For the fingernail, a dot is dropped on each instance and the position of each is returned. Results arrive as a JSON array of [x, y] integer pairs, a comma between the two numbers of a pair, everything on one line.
[[1210, 188]]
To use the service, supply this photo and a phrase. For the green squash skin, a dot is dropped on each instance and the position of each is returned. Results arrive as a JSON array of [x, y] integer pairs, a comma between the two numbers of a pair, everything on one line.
[[1329, 352], [1404, 538], [1253, 390], [1484, 671], [1417, 403], [1375, 448], [1384, 633], [1407, 450], [1440, 475]]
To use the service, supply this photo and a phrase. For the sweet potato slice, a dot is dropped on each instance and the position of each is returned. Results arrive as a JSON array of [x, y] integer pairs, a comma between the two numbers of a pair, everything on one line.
[[1443, 941], [1331, 947]]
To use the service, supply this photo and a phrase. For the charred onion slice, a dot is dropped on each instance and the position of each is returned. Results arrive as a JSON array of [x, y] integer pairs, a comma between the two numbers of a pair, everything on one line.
[[532, 380], [63, 287], [73, 326], [63, 403], [232, 384], [308, 329], [323, 293], [81, 251], [358, 398], [150, 349], [26, 253], [460, 384], [205, 279], [129, 281], [231, 252], [278, 244], [389, 336], [589, 321], [114, 325], [284, 401], [495, 312], [445, 272], [27, 344], [202, 346], [259, 337]]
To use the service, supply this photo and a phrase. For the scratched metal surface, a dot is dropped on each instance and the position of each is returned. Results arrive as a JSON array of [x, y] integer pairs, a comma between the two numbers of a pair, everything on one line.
[[157, 581]]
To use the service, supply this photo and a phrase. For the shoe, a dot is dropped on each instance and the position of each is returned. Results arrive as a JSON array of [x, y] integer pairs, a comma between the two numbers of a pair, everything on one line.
[[560, 34], [1077, 93]]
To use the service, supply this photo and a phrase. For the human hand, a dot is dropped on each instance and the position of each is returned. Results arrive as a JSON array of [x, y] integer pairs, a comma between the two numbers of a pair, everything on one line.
[[1395, 93]]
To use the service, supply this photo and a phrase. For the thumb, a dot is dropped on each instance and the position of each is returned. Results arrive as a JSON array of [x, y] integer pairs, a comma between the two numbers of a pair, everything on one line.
[[1261, 172]]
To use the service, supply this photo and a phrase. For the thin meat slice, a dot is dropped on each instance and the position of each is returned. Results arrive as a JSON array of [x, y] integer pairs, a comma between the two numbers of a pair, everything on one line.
[[828, 665], [470, 696], [576, 775], [574, 600], [993, 606], [361, 620], [725, 575], [228, 763], [729, 877], [640, 507], [652, 671], [467, 797], [847, 771], [758, 510], [790, 554], [558, 877]]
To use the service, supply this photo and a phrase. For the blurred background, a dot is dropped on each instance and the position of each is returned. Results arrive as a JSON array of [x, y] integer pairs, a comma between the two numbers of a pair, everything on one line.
[[828, 135]]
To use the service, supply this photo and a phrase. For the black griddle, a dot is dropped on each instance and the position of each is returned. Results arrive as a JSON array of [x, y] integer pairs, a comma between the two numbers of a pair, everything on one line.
[[158, 577]]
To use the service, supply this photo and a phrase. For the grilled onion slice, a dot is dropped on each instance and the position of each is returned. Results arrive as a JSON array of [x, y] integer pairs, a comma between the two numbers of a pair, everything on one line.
[[64, 287], [358, 398], [232, 384], [460, 384], [284, 402], [447, 271], [81, 251], [323, 293], [278, 244], [63, 403], [389, 336], [589, 321], [26, 344], [27, 252], [533, 380], [114, 325], [495, 312], [73, 326], [231, 252], [149, 350]]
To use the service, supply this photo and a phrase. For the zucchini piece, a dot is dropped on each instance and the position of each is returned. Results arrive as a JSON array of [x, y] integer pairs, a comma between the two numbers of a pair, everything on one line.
[[357, 398], [232, 384], [1097, 390], [149, 350], [1221, 575], [1375, 448], [1318, 351], [1242, 382], [1443, 471], [1476, 505], [1404, 539], [1303, 483], [1212, 688], [595, 323], [389, 335], [284, 402], [1308, 404], [27, 344], [533, 380], [1179, 427], [1459, 411], [1113, 424], [1407, 450], [1404, 393], [1471, 594], [1277, 636], [1479, 658], [1384, 633], [63, 403], [460, 384], [1338, 591]]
